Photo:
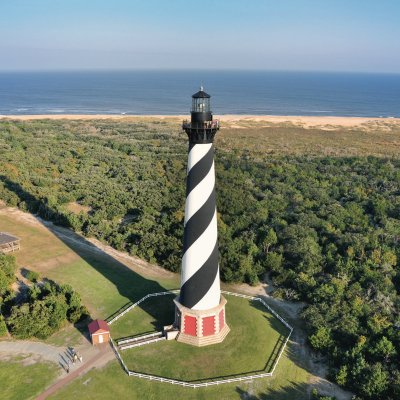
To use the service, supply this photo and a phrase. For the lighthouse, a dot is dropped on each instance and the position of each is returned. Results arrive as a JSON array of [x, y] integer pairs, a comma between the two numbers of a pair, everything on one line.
[[200, 308]]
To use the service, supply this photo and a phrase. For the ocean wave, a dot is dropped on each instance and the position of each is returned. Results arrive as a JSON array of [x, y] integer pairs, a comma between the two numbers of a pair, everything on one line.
[[316, 111]]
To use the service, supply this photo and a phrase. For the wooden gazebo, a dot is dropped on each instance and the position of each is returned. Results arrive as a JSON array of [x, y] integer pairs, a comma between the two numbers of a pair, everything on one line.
[[9, 243]]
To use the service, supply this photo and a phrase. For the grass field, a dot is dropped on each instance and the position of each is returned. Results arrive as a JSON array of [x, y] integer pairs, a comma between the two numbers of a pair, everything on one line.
[[251, 346], [375, 138], [111, 382], [105, 285], [19, 379], [152, 315]]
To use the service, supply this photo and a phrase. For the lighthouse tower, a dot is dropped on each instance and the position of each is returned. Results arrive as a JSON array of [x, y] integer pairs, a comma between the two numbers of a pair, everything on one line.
[[200, 308]]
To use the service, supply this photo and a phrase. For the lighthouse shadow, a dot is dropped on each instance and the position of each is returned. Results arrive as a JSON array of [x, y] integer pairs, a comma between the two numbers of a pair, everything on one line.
[[129, 284]]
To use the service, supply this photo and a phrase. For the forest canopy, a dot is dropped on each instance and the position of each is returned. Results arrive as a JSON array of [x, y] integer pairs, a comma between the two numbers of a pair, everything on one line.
[[325, 228]]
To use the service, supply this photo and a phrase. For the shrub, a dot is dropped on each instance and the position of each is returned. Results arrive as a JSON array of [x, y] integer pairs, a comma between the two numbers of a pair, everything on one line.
[[32, 276], [48, 307], [3, 327]]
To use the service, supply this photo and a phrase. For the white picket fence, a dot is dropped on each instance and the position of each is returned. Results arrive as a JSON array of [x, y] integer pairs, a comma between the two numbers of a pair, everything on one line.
[[136, 338], [140, 301], [200, 384], [132, 345], [114, 347]]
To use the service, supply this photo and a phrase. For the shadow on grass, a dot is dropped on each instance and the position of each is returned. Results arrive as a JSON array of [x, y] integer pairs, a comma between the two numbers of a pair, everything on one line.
[[294, 391], [129, 284], [278, 327]]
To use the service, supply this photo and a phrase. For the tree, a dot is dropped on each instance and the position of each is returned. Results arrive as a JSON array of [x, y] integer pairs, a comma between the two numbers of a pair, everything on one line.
[[7, 271], [383, 349], [269, 240], [321, 340], [375, 382], [3, 326], [341, 376]]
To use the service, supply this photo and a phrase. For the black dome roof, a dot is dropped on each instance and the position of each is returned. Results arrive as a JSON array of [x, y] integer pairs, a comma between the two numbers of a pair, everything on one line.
[[201, 94]]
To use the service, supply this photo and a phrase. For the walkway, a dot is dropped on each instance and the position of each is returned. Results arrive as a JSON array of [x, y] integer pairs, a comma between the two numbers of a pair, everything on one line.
[[104, 355], [45, 351], [93, 356]]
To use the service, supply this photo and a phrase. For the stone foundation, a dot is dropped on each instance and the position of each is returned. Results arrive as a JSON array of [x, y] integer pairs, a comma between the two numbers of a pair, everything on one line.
[[201, 327]]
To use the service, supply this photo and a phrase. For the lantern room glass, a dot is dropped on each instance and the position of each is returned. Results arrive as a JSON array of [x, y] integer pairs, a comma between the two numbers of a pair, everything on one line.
[[201, 104]]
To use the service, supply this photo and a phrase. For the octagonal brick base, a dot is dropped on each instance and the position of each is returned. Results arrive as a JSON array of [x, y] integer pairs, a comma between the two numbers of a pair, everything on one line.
[[201, 327]]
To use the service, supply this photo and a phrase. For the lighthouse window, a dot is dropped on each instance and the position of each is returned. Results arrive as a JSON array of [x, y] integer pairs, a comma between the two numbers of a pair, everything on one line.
[[201, 105]]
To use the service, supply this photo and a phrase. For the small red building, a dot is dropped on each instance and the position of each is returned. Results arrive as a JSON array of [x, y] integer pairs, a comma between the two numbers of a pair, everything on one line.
[[99, 331]]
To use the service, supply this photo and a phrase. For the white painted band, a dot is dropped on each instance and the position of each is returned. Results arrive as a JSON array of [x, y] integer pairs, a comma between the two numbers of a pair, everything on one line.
[[197, 152], [212, 297], [197, 254], [199, 195]]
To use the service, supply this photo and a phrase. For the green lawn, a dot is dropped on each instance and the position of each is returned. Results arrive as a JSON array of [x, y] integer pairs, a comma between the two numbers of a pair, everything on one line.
[[290, 383], [104, 283], [40, 249], [251, 346], [151, 315], [20, 382]]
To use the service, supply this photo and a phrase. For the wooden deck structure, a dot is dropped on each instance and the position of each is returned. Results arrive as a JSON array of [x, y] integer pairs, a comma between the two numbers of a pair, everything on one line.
[[9, 243]]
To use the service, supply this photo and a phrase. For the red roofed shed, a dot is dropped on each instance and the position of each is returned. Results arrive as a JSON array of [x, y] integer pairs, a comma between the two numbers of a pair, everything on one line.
[[99, 331]]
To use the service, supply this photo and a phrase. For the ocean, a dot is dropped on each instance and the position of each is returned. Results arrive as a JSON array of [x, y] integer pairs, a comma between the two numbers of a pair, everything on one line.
[[168, 92]]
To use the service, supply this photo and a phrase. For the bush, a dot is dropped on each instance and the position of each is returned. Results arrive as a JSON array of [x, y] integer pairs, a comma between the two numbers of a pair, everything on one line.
[[7, 271], [3, 327], [32, 276], [47, 309]]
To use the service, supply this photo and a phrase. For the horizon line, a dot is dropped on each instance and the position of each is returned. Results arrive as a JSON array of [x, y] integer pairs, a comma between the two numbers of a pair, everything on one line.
[[190, 69]]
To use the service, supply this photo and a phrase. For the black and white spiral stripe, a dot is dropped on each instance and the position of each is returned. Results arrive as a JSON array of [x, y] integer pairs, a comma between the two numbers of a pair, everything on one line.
[[200, 287]]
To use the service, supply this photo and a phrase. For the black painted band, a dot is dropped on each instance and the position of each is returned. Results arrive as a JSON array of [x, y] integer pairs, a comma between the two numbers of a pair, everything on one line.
[[197, 286], [199, 171], [199, 222]]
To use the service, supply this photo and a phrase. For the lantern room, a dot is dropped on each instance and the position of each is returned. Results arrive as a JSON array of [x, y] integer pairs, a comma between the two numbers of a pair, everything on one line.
[[201, 101], [201, 107]]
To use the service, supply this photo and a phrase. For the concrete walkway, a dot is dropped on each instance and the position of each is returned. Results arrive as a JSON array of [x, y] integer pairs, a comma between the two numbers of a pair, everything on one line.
[[46, 351], [104, 355], [93, 356]]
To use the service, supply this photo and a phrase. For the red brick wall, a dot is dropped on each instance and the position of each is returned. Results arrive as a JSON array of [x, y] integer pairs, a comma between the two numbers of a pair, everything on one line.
[[209, 325], [190, 325]]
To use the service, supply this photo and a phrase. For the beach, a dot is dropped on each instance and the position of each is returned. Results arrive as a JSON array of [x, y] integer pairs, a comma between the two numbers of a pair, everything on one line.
[[231, 120]]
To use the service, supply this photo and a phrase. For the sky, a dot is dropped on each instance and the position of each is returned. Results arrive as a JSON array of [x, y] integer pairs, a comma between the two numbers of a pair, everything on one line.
[[322, 35]]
